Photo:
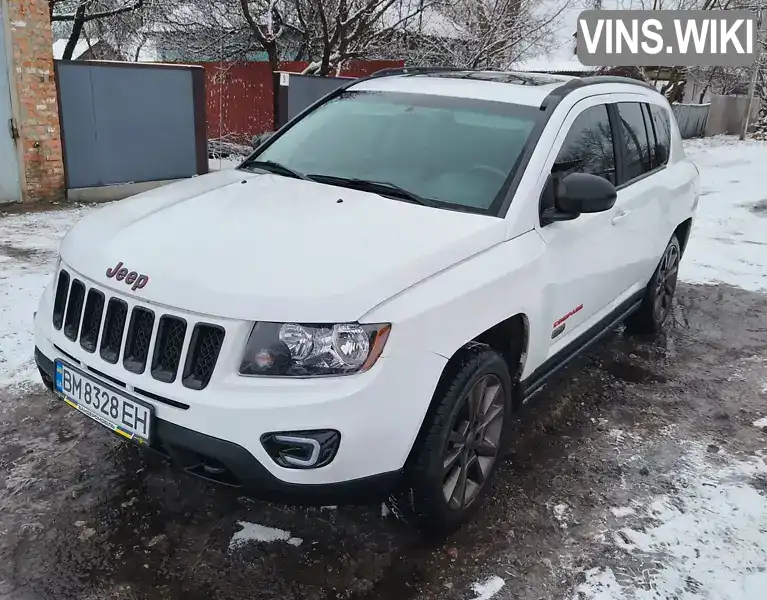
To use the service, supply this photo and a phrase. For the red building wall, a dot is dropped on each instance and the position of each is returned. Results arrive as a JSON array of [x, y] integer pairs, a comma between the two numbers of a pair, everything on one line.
[[240, 95]]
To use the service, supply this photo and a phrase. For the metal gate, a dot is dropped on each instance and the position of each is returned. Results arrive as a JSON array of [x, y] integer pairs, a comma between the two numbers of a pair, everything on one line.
[[10, 189]]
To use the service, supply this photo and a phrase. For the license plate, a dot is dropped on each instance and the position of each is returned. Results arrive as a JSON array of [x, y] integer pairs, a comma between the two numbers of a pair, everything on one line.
[[112, 408]]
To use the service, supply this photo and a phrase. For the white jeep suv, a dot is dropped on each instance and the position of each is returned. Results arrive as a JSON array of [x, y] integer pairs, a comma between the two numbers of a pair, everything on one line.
[[357, 310]]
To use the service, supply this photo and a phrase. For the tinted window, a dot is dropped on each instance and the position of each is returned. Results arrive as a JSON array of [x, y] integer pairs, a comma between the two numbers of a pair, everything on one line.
[[588, 147], [452, 150], [652, 143], [636, 144], [662, 125]]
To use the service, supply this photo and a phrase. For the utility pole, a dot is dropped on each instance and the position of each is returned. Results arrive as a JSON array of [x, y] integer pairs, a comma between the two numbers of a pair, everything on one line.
[[754, 75], [751, 88]]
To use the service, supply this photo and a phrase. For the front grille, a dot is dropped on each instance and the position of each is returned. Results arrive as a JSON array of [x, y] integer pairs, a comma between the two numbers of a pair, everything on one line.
[[203, 354], [60, 301], [114, 325], [79, 311], [74, 309], [94, 309], [138, 338], [168, 348]]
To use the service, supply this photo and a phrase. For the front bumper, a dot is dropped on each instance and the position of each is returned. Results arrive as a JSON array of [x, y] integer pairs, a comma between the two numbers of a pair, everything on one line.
[[228, 463], [377, 413]]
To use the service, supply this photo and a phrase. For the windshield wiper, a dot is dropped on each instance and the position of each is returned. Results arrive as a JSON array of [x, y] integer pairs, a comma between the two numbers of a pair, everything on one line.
[[379, 187], [274, 167]]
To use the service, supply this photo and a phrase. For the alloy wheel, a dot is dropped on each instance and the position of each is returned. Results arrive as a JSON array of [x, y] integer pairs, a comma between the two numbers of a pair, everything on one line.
[[666, 283], [472, 446]]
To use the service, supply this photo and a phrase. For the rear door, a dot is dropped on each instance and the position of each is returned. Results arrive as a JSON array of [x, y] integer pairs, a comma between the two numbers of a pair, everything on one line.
[[641, 193]]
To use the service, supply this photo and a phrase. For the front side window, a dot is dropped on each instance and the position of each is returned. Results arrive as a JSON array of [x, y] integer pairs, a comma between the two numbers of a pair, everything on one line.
[[456, 152], [588, 147], [635, 139]]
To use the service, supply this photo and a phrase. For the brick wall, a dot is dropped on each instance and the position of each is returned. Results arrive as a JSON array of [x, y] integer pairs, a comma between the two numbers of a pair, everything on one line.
[[38, 115]]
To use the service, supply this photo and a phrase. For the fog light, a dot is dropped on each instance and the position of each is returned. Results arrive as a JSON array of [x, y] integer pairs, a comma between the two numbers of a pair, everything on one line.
[[302, 449]]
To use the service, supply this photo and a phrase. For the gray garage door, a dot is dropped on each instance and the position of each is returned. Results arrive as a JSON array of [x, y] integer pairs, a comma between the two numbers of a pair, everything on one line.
[[9, 167]]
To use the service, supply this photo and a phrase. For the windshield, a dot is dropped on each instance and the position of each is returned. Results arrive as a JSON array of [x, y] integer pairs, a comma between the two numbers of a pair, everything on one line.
[[454, 151]]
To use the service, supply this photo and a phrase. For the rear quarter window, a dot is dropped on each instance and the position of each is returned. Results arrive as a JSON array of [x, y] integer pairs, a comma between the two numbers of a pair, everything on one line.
[[662, 124]]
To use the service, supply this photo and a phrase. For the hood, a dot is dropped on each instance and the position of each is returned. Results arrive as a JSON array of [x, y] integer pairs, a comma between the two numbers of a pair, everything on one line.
[[265, 247]]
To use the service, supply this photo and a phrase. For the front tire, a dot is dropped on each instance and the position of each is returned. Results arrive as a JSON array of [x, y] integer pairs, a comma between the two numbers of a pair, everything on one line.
[[656, 305], [456, 454]]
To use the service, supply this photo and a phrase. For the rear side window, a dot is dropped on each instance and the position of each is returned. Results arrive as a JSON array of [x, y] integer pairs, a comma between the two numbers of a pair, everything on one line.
[[635, 139], [662, 126], [588, 147]]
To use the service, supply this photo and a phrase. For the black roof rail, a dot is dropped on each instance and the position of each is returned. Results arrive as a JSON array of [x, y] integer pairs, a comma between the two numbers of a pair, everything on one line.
[[557, 94], [391, 71]]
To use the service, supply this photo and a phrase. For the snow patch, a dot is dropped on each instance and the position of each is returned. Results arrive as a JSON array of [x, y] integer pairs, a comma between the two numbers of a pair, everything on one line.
[[488, 588], [706, 540], [28, 250], [630, 540], [727, 244], [221, 164], [761, 422], [253, 532], [561, 513], [622, 511]]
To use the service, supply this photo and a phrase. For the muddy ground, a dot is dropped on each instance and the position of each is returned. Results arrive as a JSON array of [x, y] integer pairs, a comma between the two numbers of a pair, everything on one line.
[[85, 516]]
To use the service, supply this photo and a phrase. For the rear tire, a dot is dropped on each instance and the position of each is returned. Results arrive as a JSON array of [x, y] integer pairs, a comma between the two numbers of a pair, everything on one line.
[[656, 305], [456, 454]]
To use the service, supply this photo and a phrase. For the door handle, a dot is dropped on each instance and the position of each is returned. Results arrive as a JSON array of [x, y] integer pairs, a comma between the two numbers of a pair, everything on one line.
[[618, 219]]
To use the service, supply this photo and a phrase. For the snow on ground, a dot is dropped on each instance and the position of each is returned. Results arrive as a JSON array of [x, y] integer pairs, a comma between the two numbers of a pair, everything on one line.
[[488, 588], [28, 251], [219, 164], [707, 540], [729, 240], [253, 532]]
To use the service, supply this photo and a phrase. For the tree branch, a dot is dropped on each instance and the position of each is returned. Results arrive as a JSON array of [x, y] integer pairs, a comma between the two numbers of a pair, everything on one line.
[[99, 15]]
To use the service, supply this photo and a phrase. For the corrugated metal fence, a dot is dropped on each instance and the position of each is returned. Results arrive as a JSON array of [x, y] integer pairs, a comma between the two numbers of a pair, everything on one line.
[[296, 92], [129, 122], [691, 119]]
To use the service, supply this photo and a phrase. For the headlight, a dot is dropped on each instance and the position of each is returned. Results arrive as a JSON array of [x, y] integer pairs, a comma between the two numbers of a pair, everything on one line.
[[290, 349]]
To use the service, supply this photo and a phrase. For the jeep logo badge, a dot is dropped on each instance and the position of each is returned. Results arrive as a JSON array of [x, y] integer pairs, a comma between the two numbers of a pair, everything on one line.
[[120, 273]]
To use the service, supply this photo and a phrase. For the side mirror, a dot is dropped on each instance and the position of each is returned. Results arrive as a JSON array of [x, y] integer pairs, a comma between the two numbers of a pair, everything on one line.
[[260, 139], [579, 193]]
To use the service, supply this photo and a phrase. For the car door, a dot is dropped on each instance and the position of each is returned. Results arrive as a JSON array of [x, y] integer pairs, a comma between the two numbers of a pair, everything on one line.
[[583, 255], [641, 193]]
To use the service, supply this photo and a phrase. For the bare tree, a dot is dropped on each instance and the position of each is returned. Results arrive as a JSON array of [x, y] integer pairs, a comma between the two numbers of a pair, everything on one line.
[[325, 32], [129, 33], [81, 12], [335, 31], [489, 33]]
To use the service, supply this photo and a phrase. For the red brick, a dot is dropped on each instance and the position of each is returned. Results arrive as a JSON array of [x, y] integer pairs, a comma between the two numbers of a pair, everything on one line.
[[43, 166]]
